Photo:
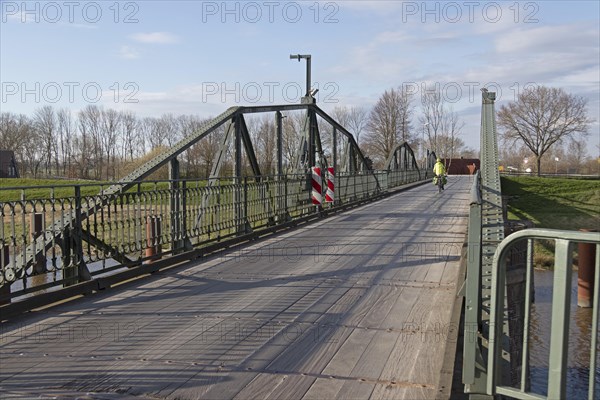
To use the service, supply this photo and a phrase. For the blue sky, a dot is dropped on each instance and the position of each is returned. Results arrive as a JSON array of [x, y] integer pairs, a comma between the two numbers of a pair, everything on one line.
[[194, 57]]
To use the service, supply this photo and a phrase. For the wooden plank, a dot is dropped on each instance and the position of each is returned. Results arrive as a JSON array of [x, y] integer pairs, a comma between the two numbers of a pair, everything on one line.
[[275, 319]]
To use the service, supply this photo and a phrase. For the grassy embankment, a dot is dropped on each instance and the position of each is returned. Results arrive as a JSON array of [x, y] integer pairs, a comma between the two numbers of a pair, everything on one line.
[[39, 188], [556, 203]]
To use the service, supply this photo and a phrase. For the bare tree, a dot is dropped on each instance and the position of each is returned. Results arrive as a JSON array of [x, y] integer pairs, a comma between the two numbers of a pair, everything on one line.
[[432, 120], [293, 124], [17, 133], [513, 156], [542, 117], [575, 155], [145, 128], [451, 144], [66, 134], [354, 119], [388, 124], [92, 151], [188, 124], [359, 117], [35, 150], [132, 144], [342, 115], [266, 144], [170, 128], [46, 124], [9, 132], [161, 131], [442, 126], [111, 129]]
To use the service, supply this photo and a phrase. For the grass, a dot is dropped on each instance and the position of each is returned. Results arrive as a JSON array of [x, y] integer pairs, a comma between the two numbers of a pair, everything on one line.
[[38, 188], [556, 203], [35, 190]]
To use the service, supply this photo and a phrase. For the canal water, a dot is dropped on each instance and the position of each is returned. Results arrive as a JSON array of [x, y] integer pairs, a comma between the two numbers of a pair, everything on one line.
[[579, 341]]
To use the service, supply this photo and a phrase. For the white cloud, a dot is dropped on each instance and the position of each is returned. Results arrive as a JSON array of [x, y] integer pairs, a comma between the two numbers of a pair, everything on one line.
[[377, 58], [548, 39], [383, 7], [128, 53], [155, 37]]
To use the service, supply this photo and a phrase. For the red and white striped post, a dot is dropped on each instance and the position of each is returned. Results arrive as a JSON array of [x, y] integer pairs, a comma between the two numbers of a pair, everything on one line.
[[317, 186], [329, 194]]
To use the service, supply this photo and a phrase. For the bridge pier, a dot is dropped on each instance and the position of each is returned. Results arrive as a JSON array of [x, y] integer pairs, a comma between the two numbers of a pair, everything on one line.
[[153, 237], [585, 280]]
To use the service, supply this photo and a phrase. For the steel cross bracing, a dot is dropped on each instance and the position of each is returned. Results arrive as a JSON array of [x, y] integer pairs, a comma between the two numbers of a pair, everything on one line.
[[237, 130], [402, 156], [53, 234]]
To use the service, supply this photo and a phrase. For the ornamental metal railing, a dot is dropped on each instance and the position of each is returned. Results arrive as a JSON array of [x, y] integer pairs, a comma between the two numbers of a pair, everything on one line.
[[101, 233]]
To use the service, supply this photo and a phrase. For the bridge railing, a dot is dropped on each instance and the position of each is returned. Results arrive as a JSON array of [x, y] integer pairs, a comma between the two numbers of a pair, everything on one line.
[[561, 300], [151, 221], [473, 282]]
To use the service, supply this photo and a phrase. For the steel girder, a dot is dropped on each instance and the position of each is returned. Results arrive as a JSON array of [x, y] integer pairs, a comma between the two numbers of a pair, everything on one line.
[[233, 116], [402, 159]]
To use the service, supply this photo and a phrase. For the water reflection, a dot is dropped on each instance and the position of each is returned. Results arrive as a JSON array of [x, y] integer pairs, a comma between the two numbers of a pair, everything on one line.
[[579, 341]]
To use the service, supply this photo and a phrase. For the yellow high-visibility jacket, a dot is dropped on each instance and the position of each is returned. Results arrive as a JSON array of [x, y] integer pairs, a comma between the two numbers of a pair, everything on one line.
[[439, 169]]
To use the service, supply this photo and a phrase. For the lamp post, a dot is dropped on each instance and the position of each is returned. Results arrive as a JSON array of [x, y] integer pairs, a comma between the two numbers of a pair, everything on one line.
[[423, 145], [556, 169], [307, 57]]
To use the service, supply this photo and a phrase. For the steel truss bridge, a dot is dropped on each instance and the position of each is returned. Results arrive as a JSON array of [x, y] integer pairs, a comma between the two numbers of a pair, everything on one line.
[[82, 237], [363, 309]]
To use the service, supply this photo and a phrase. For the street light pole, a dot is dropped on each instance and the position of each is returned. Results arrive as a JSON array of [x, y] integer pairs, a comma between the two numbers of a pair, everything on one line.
[[307, 57], [423, 145], [556, 169]]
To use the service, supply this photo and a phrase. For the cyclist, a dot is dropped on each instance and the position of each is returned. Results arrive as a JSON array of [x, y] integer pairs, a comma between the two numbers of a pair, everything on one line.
[[439, 170]]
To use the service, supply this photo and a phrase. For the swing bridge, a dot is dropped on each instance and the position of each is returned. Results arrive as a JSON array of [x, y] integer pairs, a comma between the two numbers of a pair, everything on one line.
[[241, 287]]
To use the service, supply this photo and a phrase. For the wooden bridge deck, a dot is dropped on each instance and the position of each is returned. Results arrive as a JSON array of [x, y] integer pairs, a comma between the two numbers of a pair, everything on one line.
[[355, 306]]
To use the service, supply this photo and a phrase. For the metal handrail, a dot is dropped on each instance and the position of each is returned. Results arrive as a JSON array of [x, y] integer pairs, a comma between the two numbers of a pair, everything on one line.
[[561, 298], [472, 283]]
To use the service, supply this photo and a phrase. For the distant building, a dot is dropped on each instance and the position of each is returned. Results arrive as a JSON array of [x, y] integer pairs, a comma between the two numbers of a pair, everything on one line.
[[462, 166], [8, 164]]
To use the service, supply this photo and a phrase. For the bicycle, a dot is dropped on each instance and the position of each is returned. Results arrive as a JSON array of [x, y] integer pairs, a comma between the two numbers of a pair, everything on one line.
[[439, 181]]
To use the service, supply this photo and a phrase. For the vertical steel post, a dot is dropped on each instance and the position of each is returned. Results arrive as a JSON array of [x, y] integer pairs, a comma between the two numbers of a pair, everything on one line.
[[594, 341], [239, 207], [70, 270], [308, 73], [78, 271], [138, 221], [279, 127], [334, 161], [5, 288], [36, 228], [561, 303], [176, 232], [493, 374], [528, 300], [184, 232], [312, 148], [245, 213]]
